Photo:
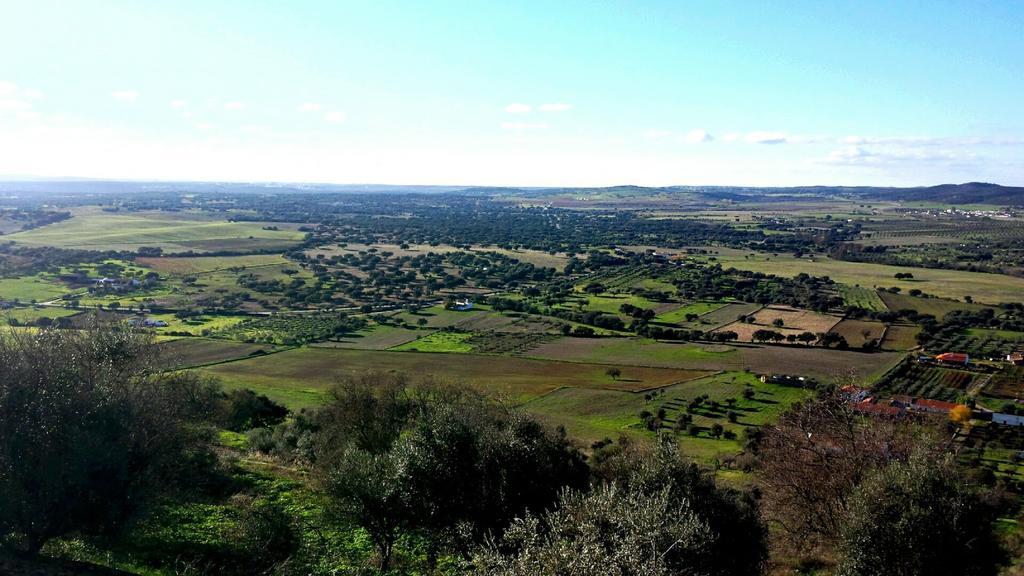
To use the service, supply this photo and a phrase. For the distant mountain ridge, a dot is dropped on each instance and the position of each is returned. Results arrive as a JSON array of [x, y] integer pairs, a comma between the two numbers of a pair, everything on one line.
[[967, 193]]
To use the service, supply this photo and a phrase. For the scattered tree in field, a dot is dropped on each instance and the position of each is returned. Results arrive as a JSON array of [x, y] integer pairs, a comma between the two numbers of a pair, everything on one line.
[[613, 372]]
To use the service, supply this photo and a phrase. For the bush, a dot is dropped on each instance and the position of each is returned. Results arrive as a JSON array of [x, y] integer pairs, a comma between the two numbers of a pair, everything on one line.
[[918, 517], [91, 429], [244, 409]]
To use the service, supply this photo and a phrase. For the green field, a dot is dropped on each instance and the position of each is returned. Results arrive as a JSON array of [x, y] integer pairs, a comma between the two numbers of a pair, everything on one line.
[[301, 377], [866, 298], [94, 229], [29, 315], [592, 414], [438, 342], [29, 288], [988, 288]]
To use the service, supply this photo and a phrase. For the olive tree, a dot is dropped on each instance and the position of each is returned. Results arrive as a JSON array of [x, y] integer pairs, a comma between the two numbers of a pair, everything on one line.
[[918, 518], [662, 516], [90, 430]]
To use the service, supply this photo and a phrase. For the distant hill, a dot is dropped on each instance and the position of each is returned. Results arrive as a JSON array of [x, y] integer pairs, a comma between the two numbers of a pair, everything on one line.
[[969, 193]]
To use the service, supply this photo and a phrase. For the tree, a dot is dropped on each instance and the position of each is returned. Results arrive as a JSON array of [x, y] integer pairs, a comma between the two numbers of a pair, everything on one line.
[[613, 372], [960, 414], [658, 515], [90, 431], [918, 518], [813, 458], [444, 462]]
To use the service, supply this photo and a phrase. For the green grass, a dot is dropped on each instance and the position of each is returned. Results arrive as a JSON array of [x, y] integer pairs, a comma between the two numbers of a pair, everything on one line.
[[592, 414], [866, 298], [29, 315], [29, 288], [439, 342], [94, 229]]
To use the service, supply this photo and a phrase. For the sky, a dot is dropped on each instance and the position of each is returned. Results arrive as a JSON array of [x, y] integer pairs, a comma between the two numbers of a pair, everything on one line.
[[517, 93]]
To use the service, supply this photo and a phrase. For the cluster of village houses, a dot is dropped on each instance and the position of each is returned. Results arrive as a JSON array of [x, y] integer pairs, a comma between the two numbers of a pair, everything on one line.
[[901, 404]]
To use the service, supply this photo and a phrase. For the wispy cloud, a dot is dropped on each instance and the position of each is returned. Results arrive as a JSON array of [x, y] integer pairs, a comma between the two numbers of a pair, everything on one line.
[[698, 136], [762, 137], [523, 126], [556, 107], [234, 106], [125, 95], [335, 117], [178, 103], [17, 101], [517, 108], [309, 107]]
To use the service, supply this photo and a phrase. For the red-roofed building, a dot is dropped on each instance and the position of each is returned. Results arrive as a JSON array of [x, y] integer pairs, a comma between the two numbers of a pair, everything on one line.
[[870, 407], [1015, 358], [953, 358]]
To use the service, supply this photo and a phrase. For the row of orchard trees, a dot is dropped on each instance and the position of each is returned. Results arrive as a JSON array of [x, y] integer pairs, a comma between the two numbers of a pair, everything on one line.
[[93, 430]]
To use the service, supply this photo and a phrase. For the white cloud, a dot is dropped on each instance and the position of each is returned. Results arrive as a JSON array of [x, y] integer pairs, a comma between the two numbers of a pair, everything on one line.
[[761, 137], [178, 103], [14, 104], [557, 107], [203, 126], [335, 117], [234, 106], [124, 95], [8, 88], [698, 136], [186, 115], [516, 108], [523, 126], [309, 107], [32, 94]]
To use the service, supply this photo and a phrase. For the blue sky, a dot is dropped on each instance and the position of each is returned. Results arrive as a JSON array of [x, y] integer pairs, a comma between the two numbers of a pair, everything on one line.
[[514, 93]]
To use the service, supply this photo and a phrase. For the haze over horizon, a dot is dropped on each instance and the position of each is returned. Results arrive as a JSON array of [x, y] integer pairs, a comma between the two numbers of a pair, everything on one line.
[[573, 94]]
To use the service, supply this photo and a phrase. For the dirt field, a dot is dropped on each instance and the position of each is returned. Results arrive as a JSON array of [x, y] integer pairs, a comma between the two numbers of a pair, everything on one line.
[[857, 332], [899, 337], [186, 352], [795, 319]]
